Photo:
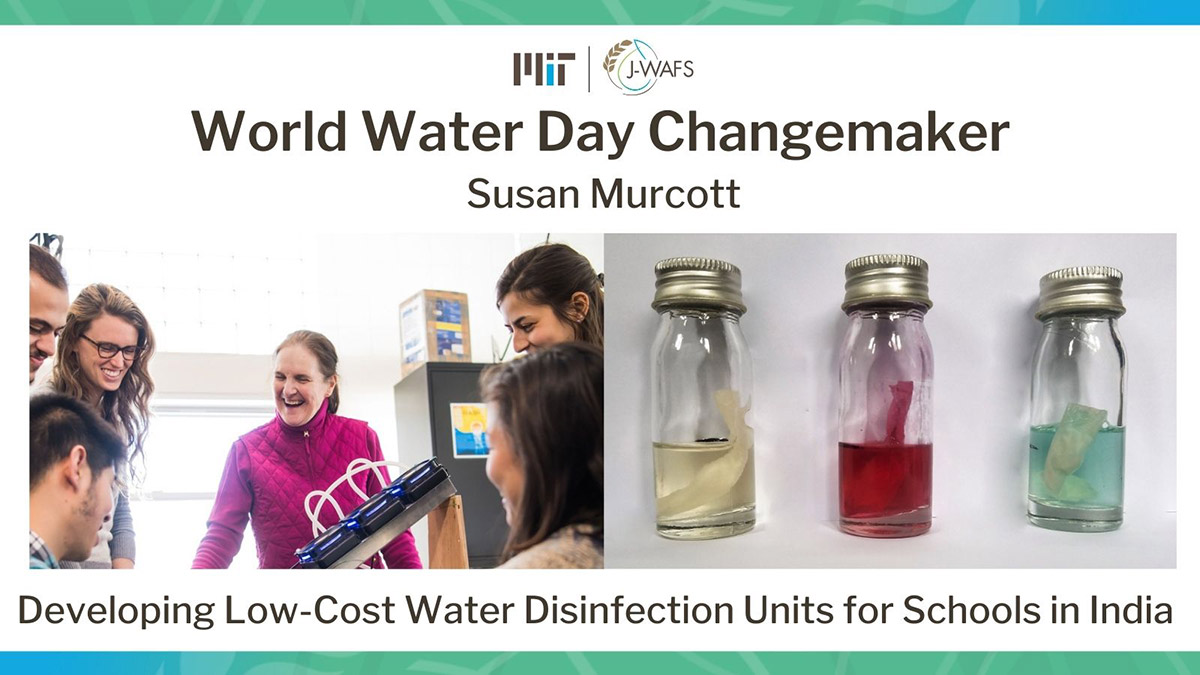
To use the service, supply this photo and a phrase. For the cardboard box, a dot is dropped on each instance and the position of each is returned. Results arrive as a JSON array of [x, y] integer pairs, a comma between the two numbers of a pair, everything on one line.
[[434, 326]]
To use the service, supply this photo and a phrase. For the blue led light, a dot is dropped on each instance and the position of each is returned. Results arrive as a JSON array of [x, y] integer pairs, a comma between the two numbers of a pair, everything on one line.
[[416, 474], [333, 541], [372, 515]]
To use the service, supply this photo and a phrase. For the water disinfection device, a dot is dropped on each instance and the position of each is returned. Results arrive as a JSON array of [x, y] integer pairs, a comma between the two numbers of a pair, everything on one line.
[[380, 519]]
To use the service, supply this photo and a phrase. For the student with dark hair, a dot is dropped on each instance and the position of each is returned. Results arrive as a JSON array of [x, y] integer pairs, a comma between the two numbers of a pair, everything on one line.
[[47, 305], [271, 471], [551, 294], [73, 457], [546, 433]]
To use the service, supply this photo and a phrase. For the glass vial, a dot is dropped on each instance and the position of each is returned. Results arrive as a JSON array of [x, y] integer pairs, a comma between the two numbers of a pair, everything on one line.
[[885, 449], [700, 396], [1077, 416]]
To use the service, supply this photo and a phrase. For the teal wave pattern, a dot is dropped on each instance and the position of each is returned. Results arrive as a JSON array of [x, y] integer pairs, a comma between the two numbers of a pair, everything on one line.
[[600, 12], [599, 663]]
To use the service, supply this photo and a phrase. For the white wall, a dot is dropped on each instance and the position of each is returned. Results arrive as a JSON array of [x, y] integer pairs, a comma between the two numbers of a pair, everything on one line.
[[353, 289], [368, 278]]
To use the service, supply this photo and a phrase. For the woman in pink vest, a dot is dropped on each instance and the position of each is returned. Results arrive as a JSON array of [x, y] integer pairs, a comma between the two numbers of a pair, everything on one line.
[[271, 470]]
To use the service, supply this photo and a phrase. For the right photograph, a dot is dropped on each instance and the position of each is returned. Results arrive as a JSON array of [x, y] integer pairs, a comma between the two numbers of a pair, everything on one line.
[[890, 401]]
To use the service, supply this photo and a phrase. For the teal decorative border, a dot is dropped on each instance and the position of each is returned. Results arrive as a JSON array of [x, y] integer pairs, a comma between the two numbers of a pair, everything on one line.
[[600, 12], [599, 663]]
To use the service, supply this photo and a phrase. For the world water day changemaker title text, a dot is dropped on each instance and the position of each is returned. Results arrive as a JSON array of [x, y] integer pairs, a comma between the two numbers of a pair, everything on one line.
[[667, 131]]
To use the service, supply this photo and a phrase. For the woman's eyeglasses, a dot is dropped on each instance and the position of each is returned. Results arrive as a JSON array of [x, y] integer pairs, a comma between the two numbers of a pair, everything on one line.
[[107, 350]]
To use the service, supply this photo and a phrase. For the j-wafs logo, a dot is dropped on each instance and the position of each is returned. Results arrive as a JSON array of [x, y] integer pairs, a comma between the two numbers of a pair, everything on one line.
[[634, 67], [541, 68]]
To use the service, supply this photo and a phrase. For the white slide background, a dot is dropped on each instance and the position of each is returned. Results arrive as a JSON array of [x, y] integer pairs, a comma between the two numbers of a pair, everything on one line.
[[97, 133]]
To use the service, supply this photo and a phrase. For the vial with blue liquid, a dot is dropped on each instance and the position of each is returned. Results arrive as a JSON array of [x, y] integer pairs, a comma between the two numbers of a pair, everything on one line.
[[1077, 426]]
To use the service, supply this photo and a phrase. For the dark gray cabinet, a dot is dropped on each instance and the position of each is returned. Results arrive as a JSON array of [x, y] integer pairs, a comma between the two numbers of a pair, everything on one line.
[[423, 421]]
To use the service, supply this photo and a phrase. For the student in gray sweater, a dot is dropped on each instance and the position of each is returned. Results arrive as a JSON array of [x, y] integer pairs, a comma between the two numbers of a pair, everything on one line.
[[103, 359]]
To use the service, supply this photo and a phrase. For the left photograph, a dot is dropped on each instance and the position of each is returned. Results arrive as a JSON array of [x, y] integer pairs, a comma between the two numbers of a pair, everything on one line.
[[316, 401]]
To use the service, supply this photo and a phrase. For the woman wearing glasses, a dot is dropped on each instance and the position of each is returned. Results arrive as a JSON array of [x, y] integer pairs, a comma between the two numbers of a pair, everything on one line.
[[104, 360]]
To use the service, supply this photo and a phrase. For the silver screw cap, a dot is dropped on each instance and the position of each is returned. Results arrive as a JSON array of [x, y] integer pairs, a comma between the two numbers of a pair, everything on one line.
[[1087, 289], [698, 282], [887, 279]]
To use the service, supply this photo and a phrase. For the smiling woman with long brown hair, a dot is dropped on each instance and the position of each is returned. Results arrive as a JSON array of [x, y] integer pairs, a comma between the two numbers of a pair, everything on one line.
[[551, 294], [103, 359]]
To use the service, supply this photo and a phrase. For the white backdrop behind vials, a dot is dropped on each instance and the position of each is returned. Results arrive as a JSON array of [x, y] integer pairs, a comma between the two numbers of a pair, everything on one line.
[[984, 288]]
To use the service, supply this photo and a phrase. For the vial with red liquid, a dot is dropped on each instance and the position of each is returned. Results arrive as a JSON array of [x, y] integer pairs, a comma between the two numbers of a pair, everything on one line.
[[885, 448]]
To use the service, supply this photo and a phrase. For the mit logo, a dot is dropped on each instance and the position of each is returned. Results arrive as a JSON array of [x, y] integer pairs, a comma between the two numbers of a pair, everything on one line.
[[543, 67]]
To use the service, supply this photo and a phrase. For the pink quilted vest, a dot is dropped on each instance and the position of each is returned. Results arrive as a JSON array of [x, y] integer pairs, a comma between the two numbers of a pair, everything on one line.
[[276, 467]]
